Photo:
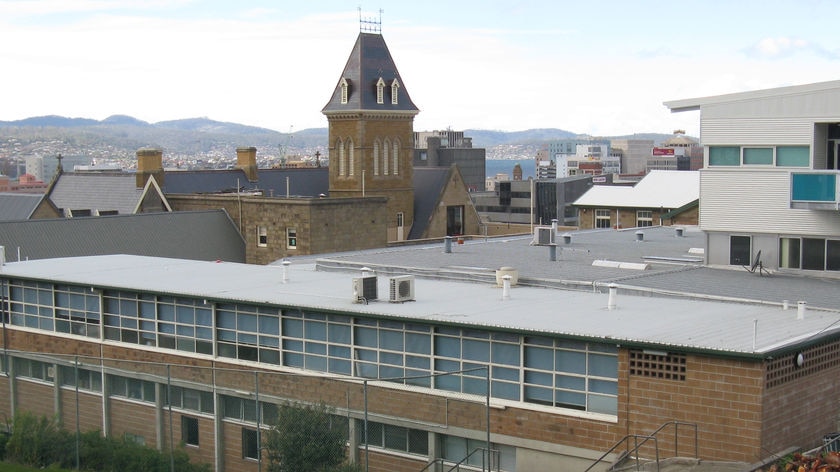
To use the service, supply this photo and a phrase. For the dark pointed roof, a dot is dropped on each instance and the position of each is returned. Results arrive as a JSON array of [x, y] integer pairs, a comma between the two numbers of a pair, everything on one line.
[[369, 61]]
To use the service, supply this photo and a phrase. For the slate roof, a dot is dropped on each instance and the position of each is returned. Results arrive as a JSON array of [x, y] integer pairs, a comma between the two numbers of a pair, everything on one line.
[[96, 191], [429, 183], [658, 189], [197, 235], [308, 182], [18, 206], [369, 60]]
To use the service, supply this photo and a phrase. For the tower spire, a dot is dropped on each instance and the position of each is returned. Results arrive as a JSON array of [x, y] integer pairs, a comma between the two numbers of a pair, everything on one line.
[[370, 24]]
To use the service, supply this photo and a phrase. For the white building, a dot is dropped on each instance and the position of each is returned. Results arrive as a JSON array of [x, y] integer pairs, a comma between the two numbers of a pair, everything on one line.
[[769, 190]]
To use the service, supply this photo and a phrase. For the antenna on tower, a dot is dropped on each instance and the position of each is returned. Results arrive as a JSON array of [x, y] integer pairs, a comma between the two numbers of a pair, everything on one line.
[[370, 24]]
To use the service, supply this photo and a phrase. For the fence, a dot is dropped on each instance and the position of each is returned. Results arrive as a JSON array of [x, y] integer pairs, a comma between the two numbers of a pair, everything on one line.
[[227, 414]]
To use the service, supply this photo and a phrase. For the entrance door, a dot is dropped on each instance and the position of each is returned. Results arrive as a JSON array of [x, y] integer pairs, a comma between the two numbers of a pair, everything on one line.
[[454, 220]]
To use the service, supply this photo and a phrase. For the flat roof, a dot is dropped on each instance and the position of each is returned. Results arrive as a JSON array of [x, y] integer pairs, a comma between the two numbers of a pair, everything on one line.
[[459, 288]]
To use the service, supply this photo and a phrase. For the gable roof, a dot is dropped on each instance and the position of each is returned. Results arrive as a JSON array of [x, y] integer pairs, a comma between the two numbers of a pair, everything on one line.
[[96, 192], [658, 189], [429, 183], [198, 235], [369, 61], [18, 206]]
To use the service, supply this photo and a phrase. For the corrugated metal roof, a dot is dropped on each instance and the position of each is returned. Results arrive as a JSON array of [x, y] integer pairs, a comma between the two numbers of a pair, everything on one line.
[[18, 206], [658, 189], [199, 235], [691, 104], [725, 328]]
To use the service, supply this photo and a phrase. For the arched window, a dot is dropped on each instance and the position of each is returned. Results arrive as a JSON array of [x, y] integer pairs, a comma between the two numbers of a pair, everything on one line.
[[396, 156], [342, 158], [380, 91], [376, 157], [352, 160], [344, 90], [385, 157], [395, 88]]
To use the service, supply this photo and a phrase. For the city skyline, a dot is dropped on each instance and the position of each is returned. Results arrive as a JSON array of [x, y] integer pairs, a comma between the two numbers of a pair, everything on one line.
[[602, 69]]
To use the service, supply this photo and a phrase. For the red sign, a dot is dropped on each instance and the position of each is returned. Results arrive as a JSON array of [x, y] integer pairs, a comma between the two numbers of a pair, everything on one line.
[[663, 151]]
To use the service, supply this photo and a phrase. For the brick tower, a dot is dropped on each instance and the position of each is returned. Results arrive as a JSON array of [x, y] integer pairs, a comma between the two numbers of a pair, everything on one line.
[[371, 132]]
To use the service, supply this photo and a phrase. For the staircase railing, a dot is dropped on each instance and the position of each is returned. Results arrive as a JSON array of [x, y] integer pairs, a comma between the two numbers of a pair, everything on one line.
[[641, 440], [463, 462]]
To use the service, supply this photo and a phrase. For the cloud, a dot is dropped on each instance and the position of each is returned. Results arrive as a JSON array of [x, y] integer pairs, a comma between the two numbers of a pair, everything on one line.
[[784, 47]]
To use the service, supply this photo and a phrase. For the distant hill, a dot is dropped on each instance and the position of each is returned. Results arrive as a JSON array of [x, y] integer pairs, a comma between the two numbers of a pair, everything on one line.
[[119, 136]]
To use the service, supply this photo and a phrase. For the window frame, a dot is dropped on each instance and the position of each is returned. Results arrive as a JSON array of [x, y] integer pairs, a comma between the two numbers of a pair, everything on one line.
[[599, 218], [644, 221], [291, 237], [262, 236], [190, 431]]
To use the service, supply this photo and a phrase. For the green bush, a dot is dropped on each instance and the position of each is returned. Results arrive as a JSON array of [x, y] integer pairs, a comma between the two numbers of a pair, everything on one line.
[[39, 442]]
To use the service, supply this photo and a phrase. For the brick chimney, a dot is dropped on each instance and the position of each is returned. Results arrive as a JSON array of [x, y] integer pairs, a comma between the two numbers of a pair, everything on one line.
[[246, 159], [149, 163]]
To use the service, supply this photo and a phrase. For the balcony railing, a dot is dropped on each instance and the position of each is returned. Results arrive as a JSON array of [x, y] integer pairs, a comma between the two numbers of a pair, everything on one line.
[[814, 190]]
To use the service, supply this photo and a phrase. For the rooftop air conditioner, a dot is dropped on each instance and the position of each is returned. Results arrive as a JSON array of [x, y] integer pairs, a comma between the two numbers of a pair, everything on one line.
[[364, 289], [544, 235], [402, 289]]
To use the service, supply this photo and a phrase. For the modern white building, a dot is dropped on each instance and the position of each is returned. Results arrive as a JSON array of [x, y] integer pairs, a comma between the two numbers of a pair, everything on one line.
[[769, 186]]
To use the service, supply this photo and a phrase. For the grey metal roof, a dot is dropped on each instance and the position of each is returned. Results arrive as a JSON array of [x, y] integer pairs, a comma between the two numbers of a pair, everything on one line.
[[199, 235], [691, 104], [96, 191], [429, 183], [369, 60], [723, 328], [273, 182], [18, 206]]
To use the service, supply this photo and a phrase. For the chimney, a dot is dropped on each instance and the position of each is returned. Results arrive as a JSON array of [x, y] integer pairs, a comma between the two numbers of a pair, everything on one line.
[[246, 159], [149, 163]]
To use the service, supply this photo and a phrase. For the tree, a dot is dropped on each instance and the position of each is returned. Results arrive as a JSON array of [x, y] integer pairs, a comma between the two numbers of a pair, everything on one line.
[[306, 438]]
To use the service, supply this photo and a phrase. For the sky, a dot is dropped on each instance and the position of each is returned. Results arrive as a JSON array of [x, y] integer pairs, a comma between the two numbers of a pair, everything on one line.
[[602, 68]]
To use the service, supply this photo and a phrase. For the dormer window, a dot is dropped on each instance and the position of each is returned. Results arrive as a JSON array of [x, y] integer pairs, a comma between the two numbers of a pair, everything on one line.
[[380, 91], [344, 90], [395, 88]]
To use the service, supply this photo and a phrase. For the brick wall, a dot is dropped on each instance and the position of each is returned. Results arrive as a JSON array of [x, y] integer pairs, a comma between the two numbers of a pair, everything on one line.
[[36, 398], [134, 418], [90, 410]]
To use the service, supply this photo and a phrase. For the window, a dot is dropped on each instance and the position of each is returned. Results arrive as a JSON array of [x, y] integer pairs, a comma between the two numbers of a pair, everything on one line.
[[351, 161], [758, 156], [380, 91], [34, 369], [135, 389], [644, 218], [397, 438], [190, 399], [291, 238], [739, 250], [602, 219], [400, 219], [376, 157], [724, 156], [262, 236], [793, 156], [395, 88], [250, 444], [456, 449], [344, 90], [809, 253], [189, 430], [342, 157], [454, 220], [385, 154], [89, 380], [248, 332], [396, 157], [789, 253]]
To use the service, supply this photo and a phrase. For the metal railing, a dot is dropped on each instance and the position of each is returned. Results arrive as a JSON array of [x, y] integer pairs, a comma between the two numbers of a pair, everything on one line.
[[640, 440], [487, 462]]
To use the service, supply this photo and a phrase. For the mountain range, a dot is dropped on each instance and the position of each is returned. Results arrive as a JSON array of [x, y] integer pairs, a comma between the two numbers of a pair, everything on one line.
[[122, 135]]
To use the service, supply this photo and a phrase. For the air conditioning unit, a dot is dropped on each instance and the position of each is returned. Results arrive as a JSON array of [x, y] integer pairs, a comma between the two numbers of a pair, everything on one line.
[[402, 289], [364, 289], [544, 236]]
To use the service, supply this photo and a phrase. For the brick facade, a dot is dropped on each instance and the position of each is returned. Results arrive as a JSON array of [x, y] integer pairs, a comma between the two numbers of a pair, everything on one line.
[[627, 217]]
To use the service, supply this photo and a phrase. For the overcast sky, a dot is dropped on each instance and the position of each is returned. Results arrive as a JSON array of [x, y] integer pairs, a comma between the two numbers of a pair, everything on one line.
[[590, 67]]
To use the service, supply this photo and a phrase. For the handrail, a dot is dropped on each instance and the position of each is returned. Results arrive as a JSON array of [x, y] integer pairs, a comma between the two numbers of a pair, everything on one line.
[[457, 465], [646, 438]]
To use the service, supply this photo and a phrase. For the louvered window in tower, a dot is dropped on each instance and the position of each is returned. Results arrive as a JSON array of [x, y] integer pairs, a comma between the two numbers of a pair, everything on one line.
[[395, 88], [376, 157], [396, 156], [342, 157], [344, 91], [380, 91], [352, 161], [385, 157]]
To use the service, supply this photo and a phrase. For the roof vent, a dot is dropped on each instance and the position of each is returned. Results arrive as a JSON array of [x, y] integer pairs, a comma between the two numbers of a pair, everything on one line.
[[544, 235], [401, 289], [503, 271], [800, 309], [612, 297]]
